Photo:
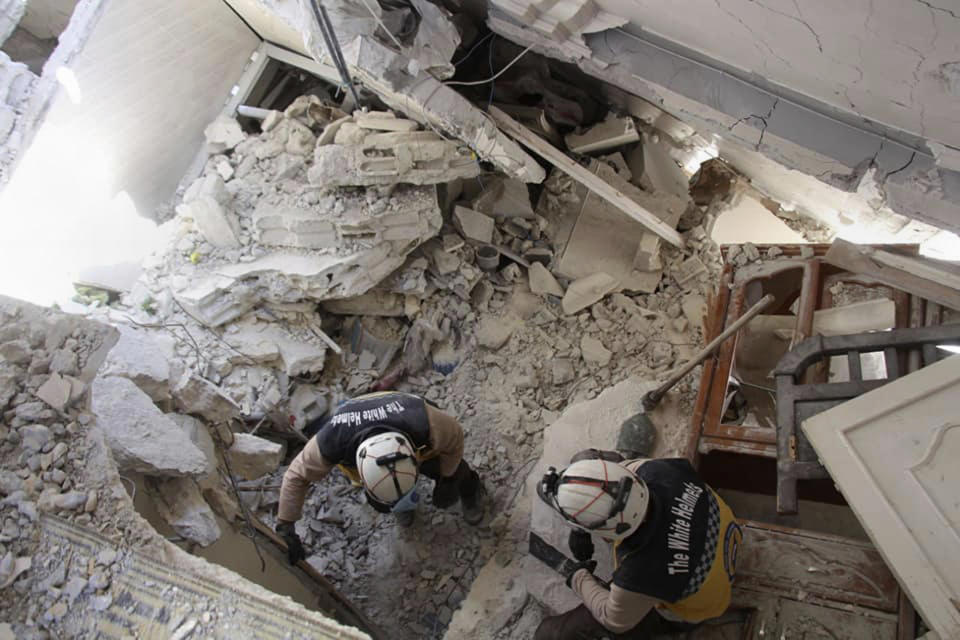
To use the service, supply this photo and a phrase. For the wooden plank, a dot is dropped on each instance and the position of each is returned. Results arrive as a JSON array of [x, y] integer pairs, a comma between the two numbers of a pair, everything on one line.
[[925, 278], [791, 561], [709, 444], [597, 185]]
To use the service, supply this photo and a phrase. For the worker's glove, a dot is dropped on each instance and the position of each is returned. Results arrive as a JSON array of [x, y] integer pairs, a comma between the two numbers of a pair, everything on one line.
[[581, 545], [295, 550], [569, 567]]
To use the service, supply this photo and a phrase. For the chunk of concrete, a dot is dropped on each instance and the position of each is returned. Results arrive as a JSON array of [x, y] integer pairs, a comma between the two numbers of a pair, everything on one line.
[[180, 503], [252, 457], [217, 225], [381, 121], [609, 134], [563, 371], [293, 227], [140, 437], [222, 134], [594, 352], [198, 396], [473, 224], [143, 358], [542, 281], [585, 291], [199, 435], [493, 333], [55, 391]]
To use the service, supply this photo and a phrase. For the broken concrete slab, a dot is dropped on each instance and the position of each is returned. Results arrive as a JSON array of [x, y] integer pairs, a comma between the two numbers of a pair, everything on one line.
[[563, 371], [252, 457], [293, 227], [384, 121], [593, 351], [145, 359], [140, 436], [473, 224], [199, 435], [222, 134], [180, 502], [585, 291], [493, 333], [217, 225], [198, 396], [421, 96], [503, 197], [542, 281], [611, 133], [372, 303], [55, 392], [688, 270], [388, 161]]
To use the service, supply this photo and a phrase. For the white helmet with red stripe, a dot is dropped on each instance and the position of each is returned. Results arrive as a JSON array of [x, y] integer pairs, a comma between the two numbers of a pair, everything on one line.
[[387, 465], [599, 496]]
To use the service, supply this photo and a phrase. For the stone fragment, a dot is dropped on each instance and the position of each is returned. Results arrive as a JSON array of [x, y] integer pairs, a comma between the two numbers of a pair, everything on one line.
[[473, 225], [583, 292], [143, 358], [252, 457], [563, 371], [196, 395], [64, 361], [481, 294], [751, 251], [12, 567], [445, 262], [16, 352], [222, 134], [181, 504], [300, 140], [70, 501], [293, 227], [216, 224], [688, 270], [493, 332], [806, 252], [55, 392], [141, 438], [382, 121], [594, 352], [542, 281], [34, 437]]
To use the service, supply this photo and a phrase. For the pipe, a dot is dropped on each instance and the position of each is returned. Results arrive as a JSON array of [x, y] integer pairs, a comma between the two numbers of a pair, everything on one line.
[[652, 398]]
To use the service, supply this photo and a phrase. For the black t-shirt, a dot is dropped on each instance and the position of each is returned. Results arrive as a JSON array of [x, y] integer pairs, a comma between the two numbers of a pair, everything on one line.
[[669, 556], [360, 418]]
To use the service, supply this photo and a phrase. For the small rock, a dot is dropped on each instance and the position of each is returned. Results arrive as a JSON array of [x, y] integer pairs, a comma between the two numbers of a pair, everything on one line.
[[774, 252], [594, 352], [70, 501], [751, 252], [91, 504], [542, 281], [106, 557], [34, 437], [101, 603], [806, 252], [563, 371], [493, 333], [57, 611], [74, 588]]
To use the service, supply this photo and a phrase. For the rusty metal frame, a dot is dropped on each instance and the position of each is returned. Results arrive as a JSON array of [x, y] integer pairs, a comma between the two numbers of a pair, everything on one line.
[[799, 399]]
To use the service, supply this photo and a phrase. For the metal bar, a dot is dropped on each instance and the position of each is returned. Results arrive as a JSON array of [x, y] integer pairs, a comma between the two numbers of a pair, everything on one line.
[[652, 399], [853, 363], [333, 46], [828, 390], [892, 359]]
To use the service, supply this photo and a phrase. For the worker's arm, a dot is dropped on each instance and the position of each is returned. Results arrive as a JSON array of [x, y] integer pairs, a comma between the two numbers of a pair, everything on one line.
[[309, 466], [446, 440], [617, 609]]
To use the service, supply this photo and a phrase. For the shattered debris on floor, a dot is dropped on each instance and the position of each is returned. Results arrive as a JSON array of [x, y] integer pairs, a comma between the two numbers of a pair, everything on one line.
[[326, 251]]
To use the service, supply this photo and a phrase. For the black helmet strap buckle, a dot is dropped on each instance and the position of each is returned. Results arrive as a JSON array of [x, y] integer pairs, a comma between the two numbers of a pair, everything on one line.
[[620, 492]]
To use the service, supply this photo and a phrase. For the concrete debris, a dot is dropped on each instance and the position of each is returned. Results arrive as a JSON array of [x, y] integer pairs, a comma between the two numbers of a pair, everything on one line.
[[611, 133], [493, 333], [368, 158], [140, 436], [473, 225], [563, 371], [181, 504], [372, 303], [503, 197], [688, 270], [594, 352], [584, 292], [436, 41], [145, 358], [11, 568], [217, 224], [222, 134], [383, 121], [307, 403], [267, 342], [252, 457], [198, 396], [55, 391], [542, 281]]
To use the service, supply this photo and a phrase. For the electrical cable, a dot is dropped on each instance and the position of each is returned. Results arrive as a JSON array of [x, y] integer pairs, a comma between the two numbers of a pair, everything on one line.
[[500, 73], [472, 49]]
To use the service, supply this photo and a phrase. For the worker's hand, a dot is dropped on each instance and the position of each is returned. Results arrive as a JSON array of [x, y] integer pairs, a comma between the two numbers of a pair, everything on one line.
[[581, 545], [569, 568], [295, 550]]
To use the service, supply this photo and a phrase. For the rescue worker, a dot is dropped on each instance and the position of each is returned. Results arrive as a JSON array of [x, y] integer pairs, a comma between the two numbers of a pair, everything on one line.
[[382, 442], [674, 540]]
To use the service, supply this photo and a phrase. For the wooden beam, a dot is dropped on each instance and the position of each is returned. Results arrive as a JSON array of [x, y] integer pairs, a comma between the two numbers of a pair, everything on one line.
[[596, 184], [936, 281]]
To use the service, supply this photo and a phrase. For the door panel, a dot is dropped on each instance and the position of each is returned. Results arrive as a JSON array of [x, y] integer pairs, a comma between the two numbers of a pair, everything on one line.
[[895, 455]]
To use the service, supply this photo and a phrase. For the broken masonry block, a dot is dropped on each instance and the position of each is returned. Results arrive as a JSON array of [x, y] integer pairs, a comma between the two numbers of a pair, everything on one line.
[[583, 292], [473, 225], [252, 457], [542, 281]]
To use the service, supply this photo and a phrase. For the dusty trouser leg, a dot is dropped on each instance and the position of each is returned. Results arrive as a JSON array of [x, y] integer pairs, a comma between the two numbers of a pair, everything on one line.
[[579, 624], [463, 485]]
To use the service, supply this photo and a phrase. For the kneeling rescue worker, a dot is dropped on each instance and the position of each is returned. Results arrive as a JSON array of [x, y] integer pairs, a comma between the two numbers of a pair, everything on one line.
[[675, 546], [383, 441]]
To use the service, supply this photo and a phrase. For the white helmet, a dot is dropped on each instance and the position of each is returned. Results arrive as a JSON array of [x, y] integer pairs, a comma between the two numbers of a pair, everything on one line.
[[387, 465], [599, 496]]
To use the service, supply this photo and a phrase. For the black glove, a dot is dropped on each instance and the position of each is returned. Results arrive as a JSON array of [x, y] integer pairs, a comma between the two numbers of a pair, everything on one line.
[[295, 550], [581, 545], [568, 568]]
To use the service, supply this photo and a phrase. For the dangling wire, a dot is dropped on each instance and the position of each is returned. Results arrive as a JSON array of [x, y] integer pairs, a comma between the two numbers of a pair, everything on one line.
[[500, 73]]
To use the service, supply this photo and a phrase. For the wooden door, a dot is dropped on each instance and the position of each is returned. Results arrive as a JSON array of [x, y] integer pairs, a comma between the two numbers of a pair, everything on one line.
[[895, 455]]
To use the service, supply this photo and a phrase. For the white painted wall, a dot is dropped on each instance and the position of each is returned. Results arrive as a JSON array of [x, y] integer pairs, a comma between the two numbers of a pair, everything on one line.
[[893, 61], [118, 136], [274, 21]]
